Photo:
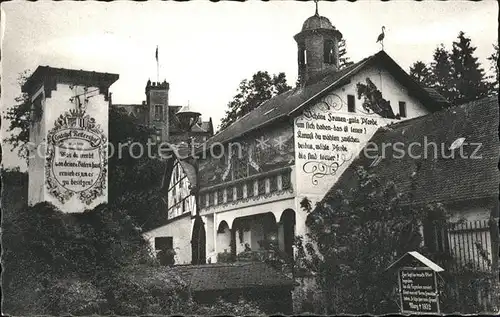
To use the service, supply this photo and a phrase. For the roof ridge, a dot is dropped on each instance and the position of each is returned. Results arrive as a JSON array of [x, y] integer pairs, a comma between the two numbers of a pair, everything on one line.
[[436, 114], [251, 111]]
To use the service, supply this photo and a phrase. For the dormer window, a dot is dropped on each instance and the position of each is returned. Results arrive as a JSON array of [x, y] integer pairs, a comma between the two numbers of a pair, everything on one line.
[[329, 52]]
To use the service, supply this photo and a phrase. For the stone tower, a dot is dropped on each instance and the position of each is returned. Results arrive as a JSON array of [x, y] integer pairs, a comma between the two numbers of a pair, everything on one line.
[[318, 48], [157, 103]]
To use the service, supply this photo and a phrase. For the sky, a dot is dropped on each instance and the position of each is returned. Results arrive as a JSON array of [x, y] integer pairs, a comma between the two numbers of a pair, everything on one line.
[[207, 48]]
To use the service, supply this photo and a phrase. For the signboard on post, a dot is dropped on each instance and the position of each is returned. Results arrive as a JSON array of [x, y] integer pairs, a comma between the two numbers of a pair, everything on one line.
[[418, 290]]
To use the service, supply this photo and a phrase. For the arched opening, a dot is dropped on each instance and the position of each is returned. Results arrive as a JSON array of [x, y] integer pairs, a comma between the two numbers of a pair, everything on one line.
[[198, 242], [255, 233], [287, 226], [270, 231], [329, 52], [224, 240]]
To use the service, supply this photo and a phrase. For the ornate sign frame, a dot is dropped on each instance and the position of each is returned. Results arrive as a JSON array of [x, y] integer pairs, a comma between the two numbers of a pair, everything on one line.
[[76, 132]]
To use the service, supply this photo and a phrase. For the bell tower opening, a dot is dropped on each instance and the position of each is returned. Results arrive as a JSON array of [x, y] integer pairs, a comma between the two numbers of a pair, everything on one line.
[[317, 48], [329, 52]]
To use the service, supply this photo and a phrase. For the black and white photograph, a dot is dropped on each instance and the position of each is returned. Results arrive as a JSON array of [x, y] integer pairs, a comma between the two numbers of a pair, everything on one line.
[[249, 158]]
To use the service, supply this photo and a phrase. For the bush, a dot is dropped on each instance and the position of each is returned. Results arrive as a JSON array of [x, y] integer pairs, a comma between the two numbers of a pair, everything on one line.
[[91, 263], [365, 224]]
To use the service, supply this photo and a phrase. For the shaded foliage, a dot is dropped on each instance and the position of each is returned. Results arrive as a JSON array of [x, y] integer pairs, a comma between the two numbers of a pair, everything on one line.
[[354, 236], [495, 78], [251, 93], [96, 262], [18, 117], [469, 80], [456, 74], [135, 180], [421, 73]]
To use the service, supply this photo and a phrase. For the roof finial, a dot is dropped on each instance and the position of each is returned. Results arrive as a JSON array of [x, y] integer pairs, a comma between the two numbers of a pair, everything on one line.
[[316, 3]]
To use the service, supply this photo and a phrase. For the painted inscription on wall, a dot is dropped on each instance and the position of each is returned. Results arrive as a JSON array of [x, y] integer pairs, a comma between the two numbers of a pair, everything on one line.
[[76, 160], [327, 140]]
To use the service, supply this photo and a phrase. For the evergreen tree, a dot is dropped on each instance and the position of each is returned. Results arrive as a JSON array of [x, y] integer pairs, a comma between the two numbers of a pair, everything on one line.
[[251, 93], [442, 73], [421, 73], [495, 78], [468, 78], [344, 60]]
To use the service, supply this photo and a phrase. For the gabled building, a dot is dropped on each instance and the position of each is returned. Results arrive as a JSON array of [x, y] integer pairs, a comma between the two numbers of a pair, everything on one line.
[[251, 177], [449, 157]]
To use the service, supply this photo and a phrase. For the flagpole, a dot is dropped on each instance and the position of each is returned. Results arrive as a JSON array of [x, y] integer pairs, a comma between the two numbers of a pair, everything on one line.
[[157, 66]]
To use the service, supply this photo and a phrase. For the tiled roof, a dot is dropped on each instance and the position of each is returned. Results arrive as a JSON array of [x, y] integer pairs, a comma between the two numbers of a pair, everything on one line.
[[190, 171], [151, 276], [292, 101], [431, 179], [213, 277], [435, 94]]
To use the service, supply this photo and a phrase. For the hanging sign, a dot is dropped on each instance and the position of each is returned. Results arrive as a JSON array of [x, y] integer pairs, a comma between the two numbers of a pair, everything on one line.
[[418, 290], [76, 160]]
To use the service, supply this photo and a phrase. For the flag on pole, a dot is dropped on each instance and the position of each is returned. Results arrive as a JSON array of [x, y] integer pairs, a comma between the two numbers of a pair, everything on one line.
[[156, 53]]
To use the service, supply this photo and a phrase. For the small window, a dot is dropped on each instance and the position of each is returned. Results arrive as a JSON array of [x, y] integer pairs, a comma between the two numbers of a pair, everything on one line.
[[164, 243], [158, 112], [302, 58], [402, 109], [329, 52], [351, 107]]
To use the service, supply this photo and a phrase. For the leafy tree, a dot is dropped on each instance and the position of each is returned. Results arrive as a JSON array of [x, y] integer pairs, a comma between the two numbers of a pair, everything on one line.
[[134, 181], [19, 119], [354, 236], [468, 77], [93, 263], [421, 73], [344, 60], [251, 93]]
